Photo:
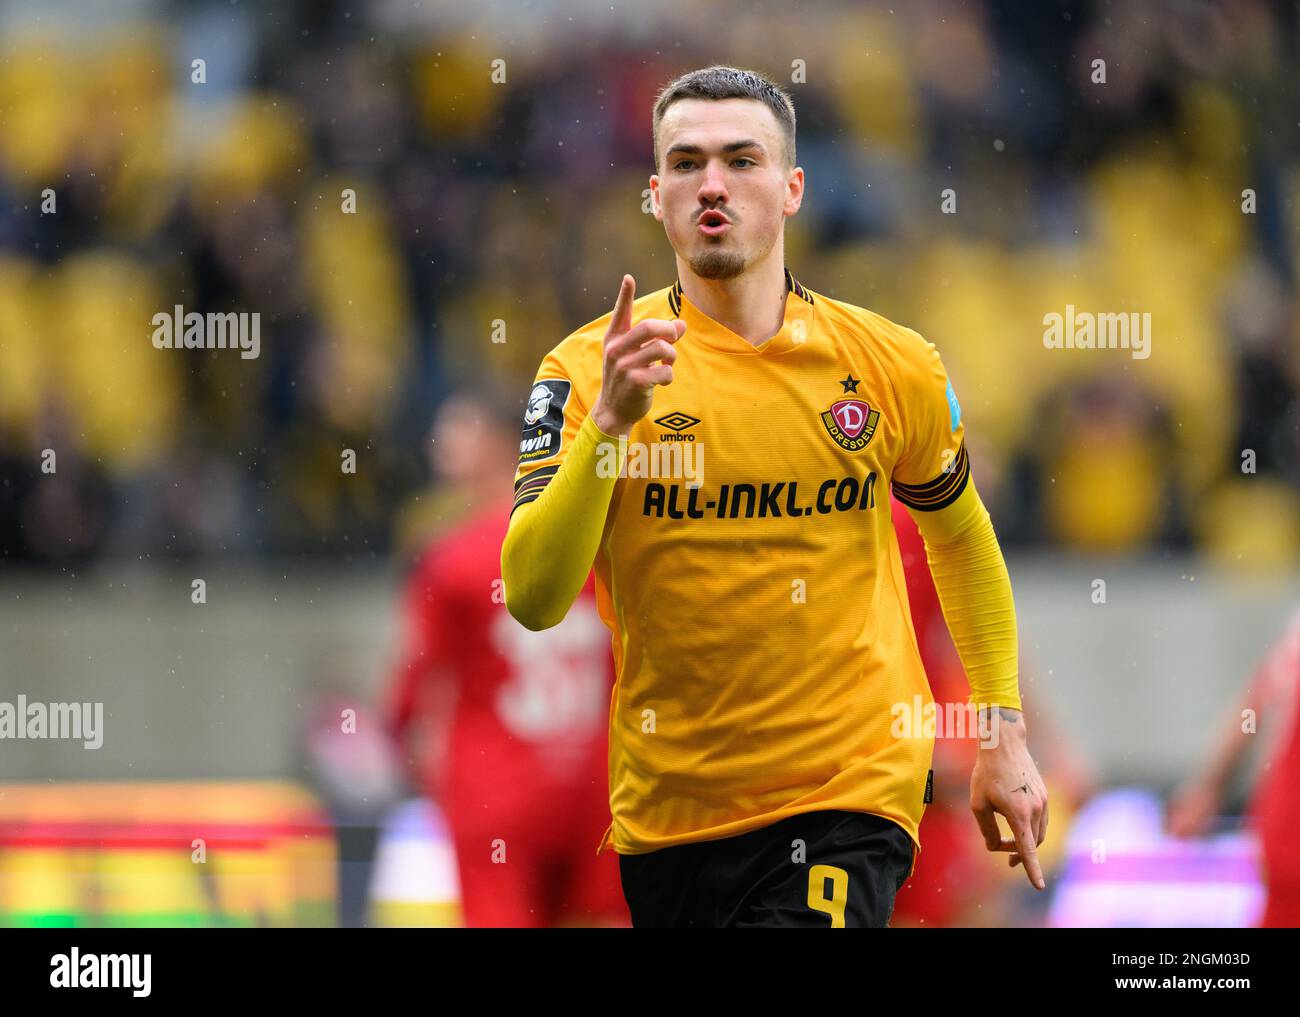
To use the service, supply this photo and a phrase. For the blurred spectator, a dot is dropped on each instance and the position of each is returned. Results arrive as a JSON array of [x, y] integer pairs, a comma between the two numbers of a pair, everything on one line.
[[400, 216]]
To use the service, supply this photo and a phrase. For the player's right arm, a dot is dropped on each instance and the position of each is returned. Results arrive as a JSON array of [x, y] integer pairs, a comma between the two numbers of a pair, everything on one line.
[[562, 497]]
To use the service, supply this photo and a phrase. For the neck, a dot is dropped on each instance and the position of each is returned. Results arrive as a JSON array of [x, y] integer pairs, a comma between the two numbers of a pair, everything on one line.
[[489, 490], [485, 488], [751, 304]]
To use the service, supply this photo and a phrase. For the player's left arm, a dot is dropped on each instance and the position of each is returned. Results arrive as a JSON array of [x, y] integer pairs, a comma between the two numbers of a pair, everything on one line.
[[417, 701], [401, 695], [1197, 799], [933, 480]]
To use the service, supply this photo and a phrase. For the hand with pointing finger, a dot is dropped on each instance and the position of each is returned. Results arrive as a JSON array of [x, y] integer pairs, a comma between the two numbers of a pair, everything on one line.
[[637, 358], [1005, 781]]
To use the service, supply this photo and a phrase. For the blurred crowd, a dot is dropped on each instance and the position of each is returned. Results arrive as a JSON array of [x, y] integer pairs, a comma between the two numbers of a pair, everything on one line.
[[414, 197]]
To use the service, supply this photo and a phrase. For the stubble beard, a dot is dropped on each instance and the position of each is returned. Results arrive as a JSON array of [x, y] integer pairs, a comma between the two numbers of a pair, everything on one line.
[[716, 263]]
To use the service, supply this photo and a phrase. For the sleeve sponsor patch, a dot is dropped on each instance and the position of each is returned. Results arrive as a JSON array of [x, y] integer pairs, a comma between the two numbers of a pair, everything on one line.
[[954, 409], [544, 419]]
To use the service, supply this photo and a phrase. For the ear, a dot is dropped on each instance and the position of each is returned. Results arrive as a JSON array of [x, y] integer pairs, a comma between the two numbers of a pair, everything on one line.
[[656, 202], [794, 191]]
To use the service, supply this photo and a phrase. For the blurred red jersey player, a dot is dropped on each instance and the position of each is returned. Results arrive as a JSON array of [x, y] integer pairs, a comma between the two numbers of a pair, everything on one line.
[[956, 882], [951, 875], [1273, 696], [508, 726]]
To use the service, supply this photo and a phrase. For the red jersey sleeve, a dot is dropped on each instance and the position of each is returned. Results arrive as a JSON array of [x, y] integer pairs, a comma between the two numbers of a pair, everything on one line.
[[422, 642]]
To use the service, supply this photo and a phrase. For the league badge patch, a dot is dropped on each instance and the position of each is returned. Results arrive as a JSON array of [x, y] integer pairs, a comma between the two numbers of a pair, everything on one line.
[[544, 419]]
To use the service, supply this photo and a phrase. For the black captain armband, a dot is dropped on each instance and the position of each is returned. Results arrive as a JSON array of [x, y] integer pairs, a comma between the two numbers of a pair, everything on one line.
[[940, 492], [529, 488]]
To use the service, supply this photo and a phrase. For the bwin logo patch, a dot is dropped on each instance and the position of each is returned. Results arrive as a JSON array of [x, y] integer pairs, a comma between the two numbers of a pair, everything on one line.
[[544, 419]]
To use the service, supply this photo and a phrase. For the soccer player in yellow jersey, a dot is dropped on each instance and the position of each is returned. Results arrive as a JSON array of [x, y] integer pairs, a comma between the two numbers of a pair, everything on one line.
[[722, 450]]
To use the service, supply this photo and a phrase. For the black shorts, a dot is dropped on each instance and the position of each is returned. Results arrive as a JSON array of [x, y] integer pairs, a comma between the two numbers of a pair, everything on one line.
[[829, 869]]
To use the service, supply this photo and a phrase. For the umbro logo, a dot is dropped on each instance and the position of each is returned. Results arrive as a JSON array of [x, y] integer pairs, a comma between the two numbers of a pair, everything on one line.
[[677, 422]]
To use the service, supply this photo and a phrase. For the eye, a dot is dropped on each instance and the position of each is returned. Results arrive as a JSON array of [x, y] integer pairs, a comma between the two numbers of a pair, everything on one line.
[[745, 158], [682, 162]]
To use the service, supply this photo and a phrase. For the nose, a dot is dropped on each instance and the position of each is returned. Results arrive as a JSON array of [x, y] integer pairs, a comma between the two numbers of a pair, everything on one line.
[[713, 186]]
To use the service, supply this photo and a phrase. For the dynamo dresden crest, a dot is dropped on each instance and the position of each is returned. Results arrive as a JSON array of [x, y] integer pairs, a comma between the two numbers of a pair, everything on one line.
[[851, 422]]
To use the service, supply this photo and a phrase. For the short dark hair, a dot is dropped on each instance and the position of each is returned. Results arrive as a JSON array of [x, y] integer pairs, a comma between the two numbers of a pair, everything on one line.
[[501, 403], [720, 82]]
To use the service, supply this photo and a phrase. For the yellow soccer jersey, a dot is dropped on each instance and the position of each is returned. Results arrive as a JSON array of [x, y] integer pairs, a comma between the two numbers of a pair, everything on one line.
[[748, 567]]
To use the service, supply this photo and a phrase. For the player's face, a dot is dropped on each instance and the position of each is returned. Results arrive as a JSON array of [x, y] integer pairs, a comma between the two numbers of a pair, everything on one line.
[[723, 155], [462, 440]]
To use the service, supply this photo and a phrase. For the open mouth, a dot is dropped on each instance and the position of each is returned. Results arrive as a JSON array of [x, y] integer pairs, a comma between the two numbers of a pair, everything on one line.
[[713, 223]]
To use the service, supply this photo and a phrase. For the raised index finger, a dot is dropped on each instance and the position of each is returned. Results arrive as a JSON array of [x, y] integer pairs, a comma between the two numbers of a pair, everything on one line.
[[1024, 835], [621, 320]]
